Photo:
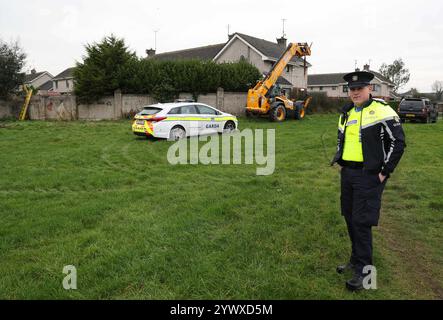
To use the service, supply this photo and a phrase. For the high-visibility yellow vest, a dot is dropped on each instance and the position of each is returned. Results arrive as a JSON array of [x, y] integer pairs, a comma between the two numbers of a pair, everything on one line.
[[377, 112], [352, 149]]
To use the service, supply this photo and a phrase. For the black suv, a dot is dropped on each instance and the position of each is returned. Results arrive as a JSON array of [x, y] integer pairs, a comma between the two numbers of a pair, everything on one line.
[[417, 109]]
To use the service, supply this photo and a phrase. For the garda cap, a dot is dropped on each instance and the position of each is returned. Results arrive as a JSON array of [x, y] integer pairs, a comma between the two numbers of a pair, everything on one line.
[[358, 79]]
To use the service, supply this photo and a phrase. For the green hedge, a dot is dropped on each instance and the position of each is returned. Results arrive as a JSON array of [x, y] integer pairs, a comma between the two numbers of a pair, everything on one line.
[[321, 103], [164, 80]]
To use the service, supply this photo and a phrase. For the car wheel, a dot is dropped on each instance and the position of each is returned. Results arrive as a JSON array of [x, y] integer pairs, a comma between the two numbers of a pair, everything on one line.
[[229, 127], [278, 113], [177, 133]]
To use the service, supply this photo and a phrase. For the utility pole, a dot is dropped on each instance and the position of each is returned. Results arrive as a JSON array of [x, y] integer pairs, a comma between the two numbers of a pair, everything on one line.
[[155, 39]]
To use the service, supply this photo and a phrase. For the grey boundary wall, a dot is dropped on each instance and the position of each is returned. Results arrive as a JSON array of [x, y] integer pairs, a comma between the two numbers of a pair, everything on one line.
[[119, 106]]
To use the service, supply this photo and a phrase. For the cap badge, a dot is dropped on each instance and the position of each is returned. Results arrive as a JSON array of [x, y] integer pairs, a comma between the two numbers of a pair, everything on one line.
[[354, 78]]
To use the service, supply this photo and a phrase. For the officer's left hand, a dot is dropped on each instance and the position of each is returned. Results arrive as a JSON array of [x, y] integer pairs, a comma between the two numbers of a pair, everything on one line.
[[381, 177]]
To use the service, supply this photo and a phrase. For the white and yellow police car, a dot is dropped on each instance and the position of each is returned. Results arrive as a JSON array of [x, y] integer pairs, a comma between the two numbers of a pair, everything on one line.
[[181, 119]]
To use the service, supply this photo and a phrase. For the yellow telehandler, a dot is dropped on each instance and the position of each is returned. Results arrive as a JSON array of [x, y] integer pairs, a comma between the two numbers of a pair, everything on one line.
[[266, 99]]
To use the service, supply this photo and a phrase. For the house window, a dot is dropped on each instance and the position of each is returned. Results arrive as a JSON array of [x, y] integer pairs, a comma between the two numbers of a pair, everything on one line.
[[334, 88], [320, 88], [375, 87], [288, 69], [56, 84], [67, 83], [345, 88]]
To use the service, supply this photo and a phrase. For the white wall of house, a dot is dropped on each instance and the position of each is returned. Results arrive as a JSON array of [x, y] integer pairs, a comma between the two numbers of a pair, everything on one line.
[[298, 77], [63, 85], [237, 49], [331, 90], [334, 91], [381, 89]]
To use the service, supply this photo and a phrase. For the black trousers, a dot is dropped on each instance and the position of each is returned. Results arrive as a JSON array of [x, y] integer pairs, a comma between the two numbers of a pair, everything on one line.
[[360, 198]]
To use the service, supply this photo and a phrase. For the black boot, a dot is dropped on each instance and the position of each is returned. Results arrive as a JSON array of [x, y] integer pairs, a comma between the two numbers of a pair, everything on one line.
[[356, 283], [345, 267]]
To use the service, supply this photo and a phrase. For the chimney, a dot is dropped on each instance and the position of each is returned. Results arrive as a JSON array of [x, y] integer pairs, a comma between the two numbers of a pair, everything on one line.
[[282, 42], [357, 69], [33, 71], [150, 52], [230, 36], [366, 67]]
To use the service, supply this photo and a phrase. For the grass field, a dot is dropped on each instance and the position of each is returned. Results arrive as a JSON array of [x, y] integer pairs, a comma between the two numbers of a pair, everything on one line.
[[92, 195]]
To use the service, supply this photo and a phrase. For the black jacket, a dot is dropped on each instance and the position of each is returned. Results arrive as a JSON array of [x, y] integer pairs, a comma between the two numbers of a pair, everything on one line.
[[382, 136]]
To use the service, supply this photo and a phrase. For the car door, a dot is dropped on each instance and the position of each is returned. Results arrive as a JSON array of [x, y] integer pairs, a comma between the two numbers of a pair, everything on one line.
[[208, 124], [190, 119]]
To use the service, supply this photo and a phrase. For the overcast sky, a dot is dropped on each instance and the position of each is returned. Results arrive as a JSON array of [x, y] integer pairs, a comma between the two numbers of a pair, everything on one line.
[[53, 33]]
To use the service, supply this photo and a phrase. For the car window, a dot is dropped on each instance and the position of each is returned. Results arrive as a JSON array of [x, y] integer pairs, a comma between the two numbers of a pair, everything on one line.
[[147, 111], [175, 110], [413, 104], [188, 109], [206, 110]]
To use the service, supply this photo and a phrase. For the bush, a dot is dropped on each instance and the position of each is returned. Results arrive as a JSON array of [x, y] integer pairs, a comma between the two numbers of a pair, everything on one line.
[[394, 105], [103, 69], [164, 92], [321, 103]]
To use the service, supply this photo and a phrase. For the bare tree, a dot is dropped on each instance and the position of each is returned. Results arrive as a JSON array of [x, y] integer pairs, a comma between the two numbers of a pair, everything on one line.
[[396, 73], [437, 87]]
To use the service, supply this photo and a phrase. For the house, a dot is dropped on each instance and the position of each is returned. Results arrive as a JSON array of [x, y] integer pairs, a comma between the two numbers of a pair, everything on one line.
[[259, 52], [63, 83], [46, 88], [413, 93], [37, 79], [335, 87]]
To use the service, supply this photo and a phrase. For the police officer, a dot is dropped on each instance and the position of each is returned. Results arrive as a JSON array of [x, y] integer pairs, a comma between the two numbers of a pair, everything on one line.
[[370, 144]]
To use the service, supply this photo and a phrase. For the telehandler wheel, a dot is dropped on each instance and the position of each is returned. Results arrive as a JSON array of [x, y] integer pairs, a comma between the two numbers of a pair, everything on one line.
[[299, 112], [278, 114]]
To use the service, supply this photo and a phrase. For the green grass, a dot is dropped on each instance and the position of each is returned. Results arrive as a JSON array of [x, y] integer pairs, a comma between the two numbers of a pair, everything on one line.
[[91, 194]]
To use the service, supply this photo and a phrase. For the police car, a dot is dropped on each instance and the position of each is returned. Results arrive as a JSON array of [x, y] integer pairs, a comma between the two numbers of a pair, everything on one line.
[[181, 119]]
